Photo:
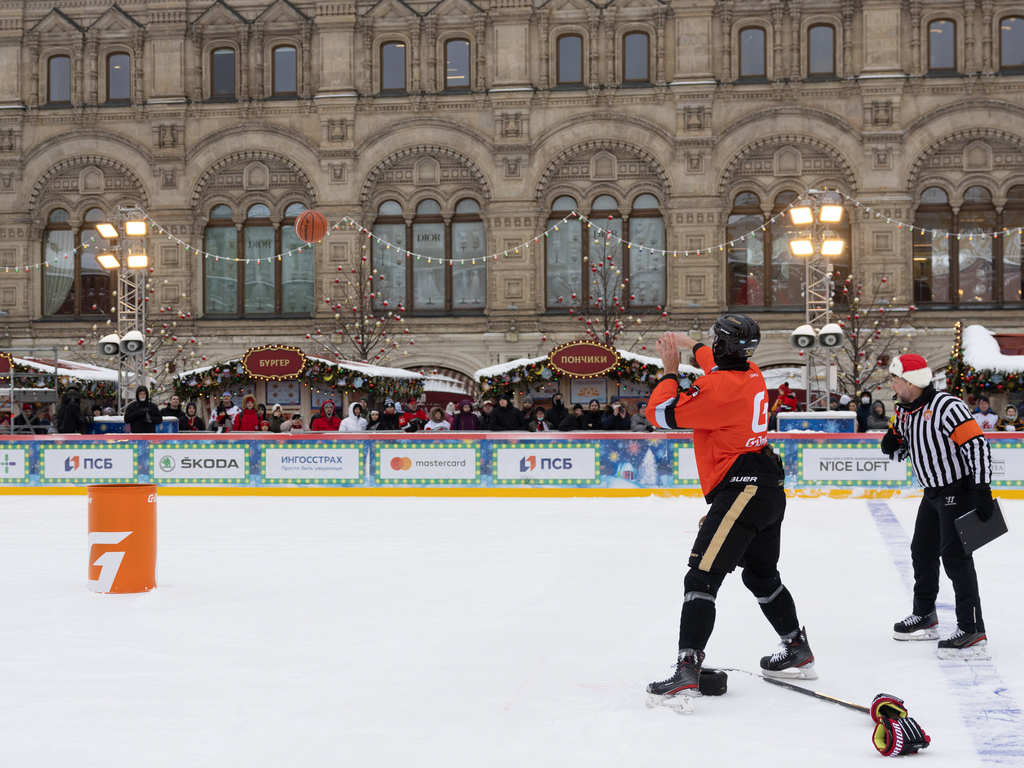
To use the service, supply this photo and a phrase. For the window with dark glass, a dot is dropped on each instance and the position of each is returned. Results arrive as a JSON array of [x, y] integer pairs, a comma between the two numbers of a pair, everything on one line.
[[745, 255], [1011, 42], [222, 72], [448, 269], [645, 262], [456, 73], [974, 222], [242, 275], [570, 60], [119, 77], [752, 58], [821, 50], [941, 46], [635, 62], [1013, 220], [932, 224], [74, 284], [58, 83], [284, 71], [392, 67]]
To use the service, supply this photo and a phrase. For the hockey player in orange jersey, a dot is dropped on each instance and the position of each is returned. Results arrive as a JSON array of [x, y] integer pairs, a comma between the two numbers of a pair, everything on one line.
[[742, 479]]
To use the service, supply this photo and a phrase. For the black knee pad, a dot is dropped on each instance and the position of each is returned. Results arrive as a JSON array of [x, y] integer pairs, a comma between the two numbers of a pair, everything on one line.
[[700, 582], [762, 583]]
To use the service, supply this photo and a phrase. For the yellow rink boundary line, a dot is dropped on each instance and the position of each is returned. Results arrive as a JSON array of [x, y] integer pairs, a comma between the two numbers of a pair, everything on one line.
[[560, 493]]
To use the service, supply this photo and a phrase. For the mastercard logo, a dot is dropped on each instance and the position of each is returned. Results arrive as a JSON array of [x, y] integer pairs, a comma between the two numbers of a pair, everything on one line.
[[401, 463]]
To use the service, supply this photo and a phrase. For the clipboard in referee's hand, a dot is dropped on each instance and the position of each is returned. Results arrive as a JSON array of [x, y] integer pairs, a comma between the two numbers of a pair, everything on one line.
[[975, 534]]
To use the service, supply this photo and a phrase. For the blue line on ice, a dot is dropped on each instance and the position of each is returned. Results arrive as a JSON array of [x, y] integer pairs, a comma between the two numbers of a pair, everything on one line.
[[995, 721]]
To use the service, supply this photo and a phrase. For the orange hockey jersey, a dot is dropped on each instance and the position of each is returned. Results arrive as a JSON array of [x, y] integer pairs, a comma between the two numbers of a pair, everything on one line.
[[727, 410]]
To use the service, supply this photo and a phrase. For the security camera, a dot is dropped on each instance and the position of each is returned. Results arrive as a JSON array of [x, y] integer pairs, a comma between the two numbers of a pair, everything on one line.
[[109, 345], [133, 343], [802, 337], [831, 336]]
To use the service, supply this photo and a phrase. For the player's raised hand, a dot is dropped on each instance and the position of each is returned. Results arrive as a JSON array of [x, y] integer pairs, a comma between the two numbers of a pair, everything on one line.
[[668, 349]]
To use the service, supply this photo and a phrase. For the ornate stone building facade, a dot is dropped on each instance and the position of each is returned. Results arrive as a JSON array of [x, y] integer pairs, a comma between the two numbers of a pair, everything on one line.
[[465, 127]]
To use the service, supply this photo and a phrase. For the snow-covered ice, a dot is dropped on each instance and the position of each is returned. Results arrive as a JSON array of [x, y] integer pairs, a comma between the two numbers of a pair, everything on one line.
[[316, 631]]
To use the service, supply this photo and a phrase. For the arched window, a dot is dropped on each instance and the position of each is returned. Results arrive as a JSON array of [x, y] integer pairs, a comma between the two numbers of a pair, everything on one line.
[[788, 271], [285, 73], [456, 72], [58, 82], [1011, 42], [570, 60], [119, 77], [934, 219], [635, 58], [976, 257], [942, 46], [447, 271], [564, 253], [392, 67], [74, 283], [745, 257], [1013, 220], [821, 50], [752, 53], [645, 261], [257, 284], [222, 73]]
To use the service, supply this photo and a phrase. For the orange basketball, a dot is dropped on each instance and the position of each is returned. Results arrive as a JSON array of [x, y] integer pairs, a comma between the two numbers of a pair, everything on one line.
[[311, 226]]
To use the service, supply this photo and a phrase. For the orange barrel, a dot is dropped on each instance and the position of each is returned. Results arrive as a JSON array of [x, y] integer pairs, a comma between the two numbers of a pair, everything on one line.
[[122, 537]]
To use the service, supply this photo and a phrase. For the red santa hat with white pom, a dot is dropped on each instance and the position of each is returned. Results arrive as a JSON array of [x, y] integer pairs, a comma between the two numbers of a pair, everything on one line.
[[912, 368]]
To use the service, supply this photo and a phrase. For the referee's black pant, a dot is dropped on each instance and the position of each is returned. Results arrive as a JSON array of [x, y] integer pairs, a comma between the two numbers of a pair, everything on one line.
[[935, 537]]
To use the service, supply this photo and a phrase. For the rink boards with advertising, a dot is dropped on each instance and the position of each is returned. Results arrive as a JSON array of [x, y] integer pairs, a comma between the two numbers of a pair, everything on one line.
[[596, 461]]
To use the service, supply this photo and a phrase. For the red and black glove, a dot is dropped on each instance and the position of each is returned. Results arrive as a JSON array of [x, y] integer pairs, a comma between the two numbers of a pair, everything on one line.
[[902, 736]]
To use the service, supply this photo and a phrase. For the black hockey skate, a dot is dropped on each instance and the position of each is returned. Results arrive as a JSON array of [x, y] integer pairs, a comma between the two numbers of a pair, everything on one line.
[[964, 646], [916, 627], [677, 691], [794, 661]]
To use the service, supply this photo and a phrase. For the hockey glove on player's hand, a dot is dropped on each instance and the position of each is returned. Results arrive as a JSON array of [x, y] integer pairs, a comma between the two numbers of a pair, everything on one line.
[[891, 443], [903, 736], [985, 505], [887, 705]]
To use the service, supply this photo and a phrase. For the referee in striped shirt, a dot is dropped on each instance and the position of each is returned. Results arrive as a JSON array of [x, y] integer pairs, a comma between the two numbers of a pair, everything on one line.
[[952, 460]]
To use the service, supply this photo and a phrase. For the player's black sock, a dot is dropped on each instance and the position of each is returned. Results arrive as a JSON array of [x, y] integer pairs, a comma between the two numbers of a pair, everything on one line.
[[697, 619], [776, 603]]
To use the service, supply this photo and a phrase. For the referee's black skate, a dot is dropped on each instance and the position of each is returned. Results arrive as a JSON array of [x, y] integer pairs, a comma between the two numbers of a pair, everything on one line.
[[916, 627], [794, 661], [965, 646], [677, 691]]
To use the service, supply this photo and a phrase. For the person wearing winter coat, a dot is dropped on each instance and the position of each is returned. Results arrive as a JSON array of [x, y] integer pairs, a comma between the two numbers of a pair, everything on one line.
[[220, 420], [1011, 422], [437, 422], [173, 410], [142, 415], [31, 421], [294, 425], [616, 417], [354, 422], [327, 421], [527, 409], [639, 422], [229, 405], [864, 409], [510, 418], [414, 417], [574, 421], [449, 413], [984, 414], [539, 422], [71, 420], [465, 420], [878, 419], [488, 421], [557, 411], [592, 417], [389, 420], [373, 421], [276, 418], [248, 420], [192, 421]]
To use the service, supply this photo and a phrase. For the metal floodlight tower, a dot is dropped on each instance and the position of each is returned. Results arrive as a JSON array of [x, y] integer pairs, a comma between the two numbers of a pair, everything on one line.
[[816, 211]]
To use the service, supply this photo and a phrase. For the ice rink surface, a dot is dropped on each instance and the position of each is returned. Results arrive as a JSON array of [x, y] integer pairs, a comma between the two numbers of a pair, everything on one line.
[[313, 631]]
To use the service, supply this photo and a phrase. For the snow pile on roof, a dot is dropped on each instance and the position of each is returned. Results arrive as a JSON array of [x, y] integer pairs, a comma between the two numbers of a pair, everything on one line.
[[686, 370], [79, 371], [981, 352], [511, 365], [435, 382], [370, 370]]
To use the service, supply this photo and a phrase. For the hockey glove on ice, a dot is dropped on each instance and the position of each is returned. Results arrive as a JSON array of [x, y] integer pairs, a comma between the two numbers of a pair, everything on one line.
[[887, 705], [903, 736], [985, 506], [891, 443]]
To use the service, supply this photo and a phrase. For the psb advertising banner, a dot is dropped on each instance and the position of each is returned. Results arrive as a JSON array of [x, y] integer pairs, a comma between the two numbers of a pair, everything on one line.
[[850, 464], [13, 465], [427, 464], [546, 464], [317, 463], [208, 462], [82, 463]]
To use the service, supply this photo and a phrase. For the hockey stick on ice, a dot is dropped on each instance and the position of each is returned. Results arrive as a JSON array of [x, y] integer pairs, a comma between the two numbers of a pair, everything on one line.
[[805, 691]]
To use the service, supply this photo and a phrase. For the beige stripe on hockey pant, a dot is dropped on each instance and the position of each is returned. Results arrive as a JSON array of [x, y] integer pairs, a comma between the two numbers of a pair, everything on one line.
[[723, 530]]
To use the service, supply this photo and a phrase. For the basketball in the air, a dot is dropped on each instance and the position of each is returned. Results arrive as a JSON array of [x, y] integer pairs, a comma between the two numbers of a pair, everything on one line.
[[311, 226]]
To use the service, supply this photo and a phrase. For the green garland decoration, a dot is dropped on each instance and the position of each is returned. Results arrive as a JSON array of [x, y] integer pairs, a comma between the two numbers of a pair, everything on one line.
[[962, 378], [524, 376], [90, 390], [229, 375]]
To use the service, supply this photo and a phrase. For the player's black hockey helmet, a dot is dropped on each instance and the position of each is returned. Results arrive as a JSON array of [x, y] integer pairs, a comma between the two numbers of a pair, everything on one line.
[[735, 336]]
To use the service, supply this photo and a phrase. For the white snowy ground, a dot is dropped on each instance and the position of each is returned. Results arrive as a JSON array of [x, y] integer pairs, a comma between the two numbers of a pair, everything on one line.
[[430, 632]]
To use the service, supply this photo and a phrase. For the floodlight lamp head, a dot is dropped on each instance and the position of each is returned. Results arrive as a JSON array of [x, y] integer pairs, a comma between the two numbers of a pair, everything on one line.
[[108, 261], [107, 230], [135, 228], [801, 215], [109, 345], [802, 247], [832, 246], [138, 260]]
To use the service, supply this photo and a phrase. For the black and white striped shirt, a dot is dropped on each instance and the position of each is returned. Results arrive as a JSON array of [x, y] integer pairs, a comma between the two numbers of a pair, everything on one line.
[[943, 440]]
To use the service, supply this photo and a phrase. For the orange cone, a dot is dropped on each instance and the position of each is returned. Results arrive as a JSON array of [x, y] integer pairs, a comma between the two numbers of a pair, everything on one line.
[[122, 537]]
